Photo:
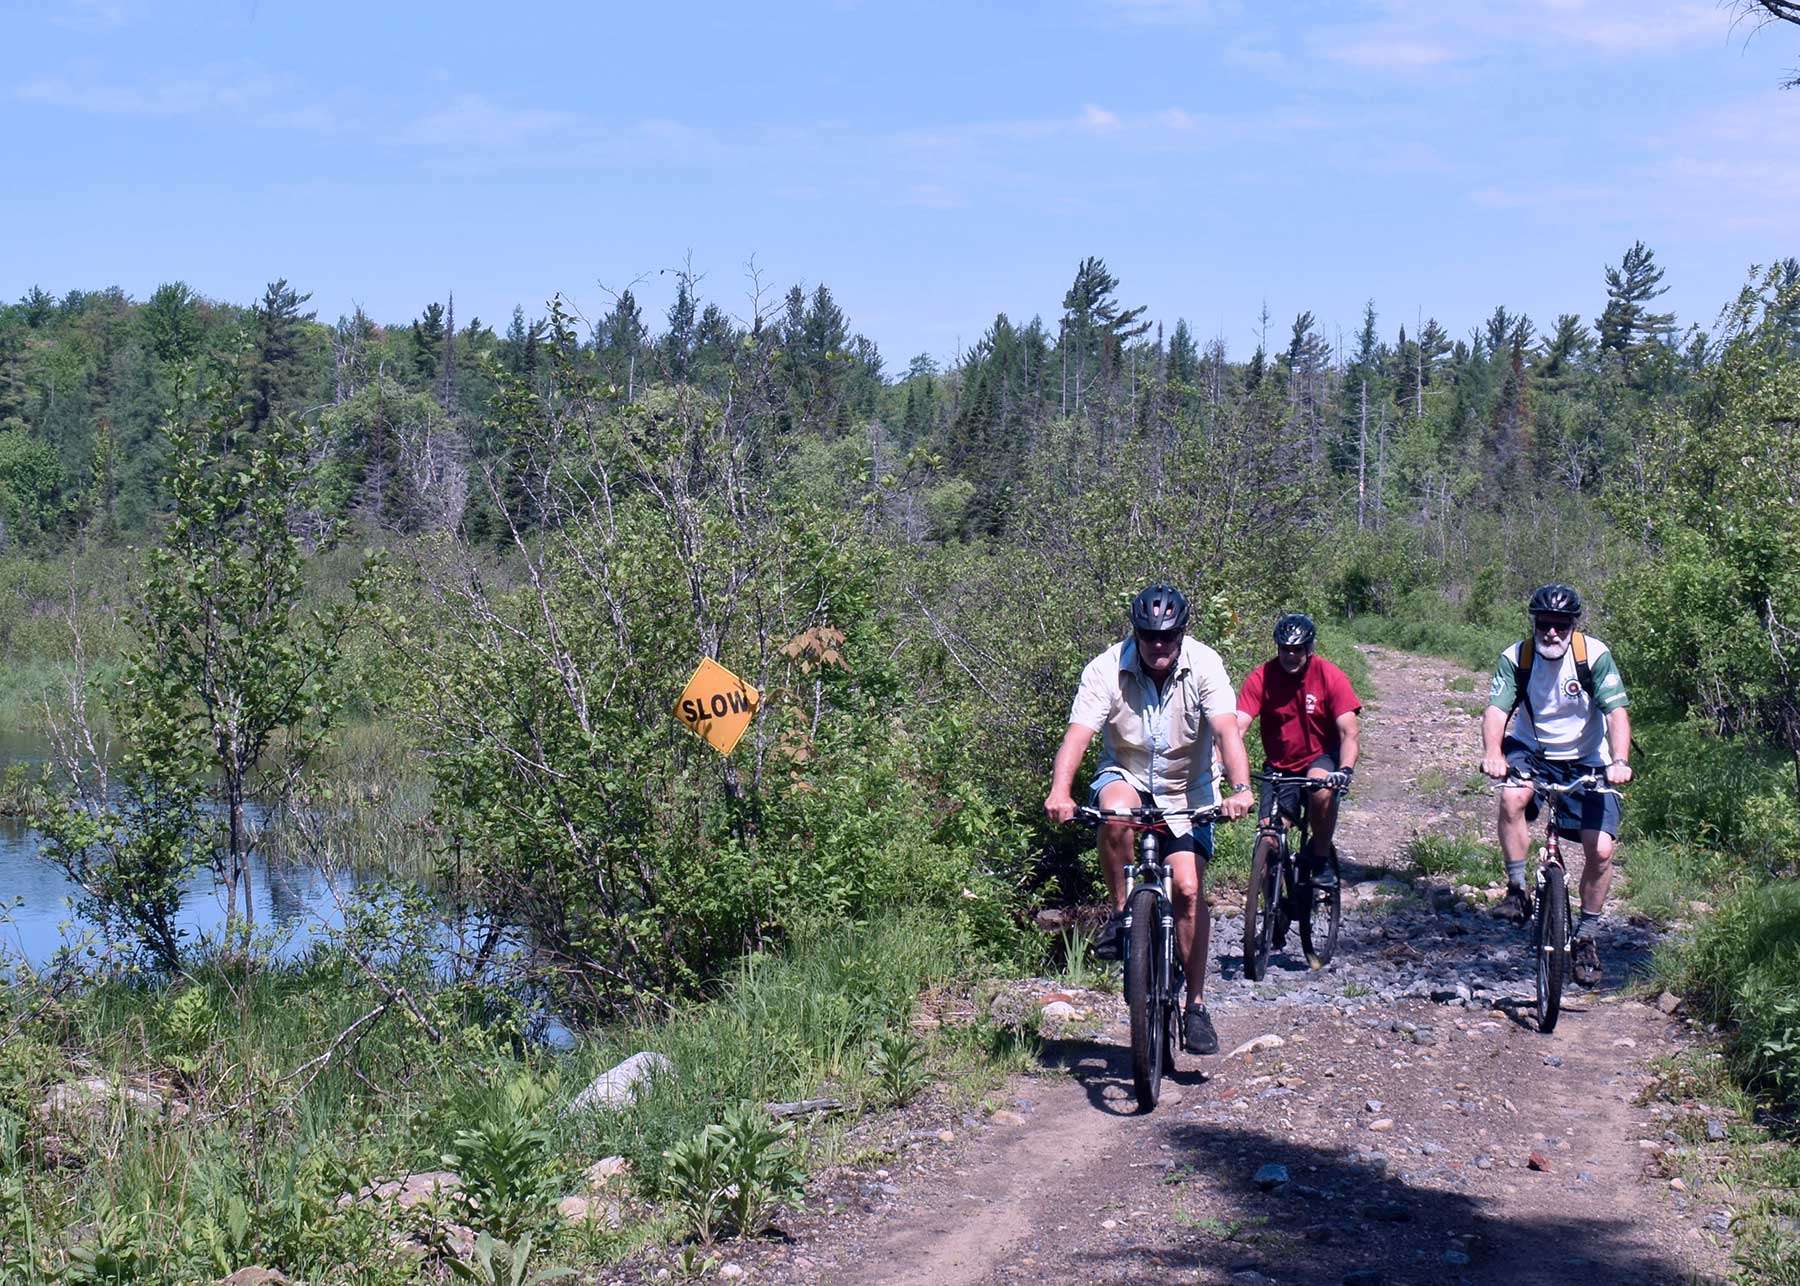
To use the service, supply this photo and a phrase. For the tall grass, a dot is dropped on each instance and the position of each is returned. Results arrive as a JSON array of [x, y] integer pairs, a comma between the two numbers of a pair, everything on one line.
[[1741, 969], [270, 1140]]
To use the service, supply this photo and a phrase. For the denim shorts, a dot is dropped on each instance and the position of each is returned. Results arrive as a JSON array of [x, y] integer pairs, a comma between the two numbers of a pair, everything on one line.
[[1587, 811], [1198, 840]]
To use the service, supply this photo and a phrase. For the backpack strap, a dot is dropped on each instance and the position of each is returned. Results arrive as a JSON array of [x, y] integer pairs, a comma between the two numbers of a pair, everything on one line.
[[1583, 671], [1522, 675]]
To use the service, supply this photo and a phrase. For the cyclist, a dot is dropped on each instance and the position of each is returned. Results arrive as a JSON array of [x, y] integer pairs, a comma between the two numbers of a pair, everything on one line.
[[1574, 723], [1307, 711], [1159, 701]]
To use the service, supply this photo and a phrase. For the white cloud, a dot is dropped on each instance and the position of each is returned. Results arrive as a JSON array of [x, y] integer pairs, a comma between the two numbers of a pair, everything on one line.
[[92, 15], [472, 120], [192, 97], [1411, 36], [1388, 53], [1173, 12], [1098, 118]]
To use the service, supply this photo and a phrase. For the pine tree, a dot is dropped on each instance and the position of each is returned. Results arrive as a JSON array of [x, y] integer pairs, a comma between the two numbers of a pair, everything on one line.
[[1184, 354], [275, 368], [427, 344], [678, 340], [619, 342], [1094, 330], [1627, 327]]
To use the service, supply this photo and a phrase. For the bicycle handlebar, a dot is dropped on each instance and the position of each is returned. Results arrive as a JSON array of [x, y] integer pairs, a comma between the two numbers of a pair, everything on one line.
[[1298, 779], [1587, 781], [1147, 816]]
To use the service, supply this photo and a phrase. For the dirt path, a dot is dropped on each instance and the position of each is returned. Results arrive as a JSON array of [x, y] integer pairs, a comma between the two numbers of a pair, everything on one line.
[[1423, 1129]]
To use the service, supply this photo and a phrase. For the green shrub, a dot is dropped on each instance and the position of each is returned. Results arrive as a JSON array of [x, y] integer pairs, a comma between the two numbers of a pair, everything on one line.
[[1425, 623], [1464, 858], [1662, 876], [898, 1066], [506, 1162], [1696, 789], [731, 1177], [1742, 969]]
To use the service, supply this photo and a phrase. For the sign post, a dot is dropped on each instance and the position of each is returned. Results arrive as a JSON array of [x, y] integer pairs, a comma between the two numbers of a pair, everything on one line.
[[716, 705]]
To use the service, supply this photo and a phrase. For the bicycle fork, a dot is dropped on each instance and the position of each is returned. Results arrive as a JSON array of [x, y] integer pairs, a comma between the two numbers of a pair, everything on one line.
[[1552, 855]]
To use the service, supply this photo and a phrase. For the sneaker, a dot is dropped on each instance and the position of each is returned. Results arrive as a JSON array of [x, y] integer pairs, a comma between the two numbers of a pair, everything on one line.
[[1197, 1034], [1323, 874], [1109, 942], [1587, 961], [1515, 906]]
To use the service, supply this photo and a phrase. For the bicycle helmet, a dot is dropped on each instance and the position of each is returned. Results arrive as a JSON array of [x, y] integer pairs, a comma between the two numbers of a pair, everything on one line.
[[1159, 608], [1555, 600], [1296, 629]]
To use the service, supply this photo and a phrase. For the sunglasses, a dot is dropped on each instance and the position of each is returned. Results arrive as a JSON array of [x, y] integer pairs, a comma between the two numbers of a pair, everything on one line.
[[1554, 624]]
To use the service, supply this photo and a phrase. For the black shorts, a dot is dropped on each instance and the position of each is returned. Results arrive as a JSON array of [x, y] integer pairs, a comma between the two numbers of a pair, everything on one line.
[[1587, 811], [1288, 797]]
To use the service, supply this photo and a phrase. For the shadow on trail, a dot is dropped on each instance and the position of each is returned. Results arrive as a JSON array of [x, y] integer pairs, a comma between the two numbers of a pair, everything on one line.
[[1103, 1071], [1334, 1217]]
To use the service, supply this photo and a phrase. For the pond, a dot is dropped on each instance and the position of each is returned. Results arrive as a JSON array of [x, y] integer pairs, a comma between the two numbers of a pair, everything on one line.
[[36, 898]]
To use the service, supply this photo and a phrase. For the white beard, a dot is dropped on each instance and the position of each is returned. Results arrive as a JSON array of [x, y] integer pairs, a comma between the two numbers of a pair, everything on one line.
[[1553, 651]]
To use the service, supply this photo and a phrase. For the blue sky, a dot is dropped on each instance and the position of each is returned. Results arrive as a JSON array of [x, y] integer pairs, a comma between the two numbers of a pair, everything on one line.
[[933, 164]]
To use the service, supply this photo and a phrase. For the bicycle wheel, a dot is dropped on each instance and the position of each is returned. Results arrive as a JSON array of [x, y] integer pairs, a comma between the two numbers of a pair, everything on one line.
[[1550, 943], [1321, 916], [1262, 905], [1144, 998]]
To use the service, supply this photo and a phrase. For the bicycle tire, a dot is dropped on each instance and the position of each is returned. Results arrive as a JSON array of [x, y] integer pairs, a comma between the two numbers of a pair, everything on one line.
[[1330, 902], [1144, 998], [1260, 906], [1550, 943]]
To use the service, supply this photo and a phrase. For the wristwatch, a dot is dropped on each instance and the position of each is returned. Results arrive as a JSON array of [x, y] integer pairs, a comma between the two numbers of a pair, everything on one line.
[[1239, 787]]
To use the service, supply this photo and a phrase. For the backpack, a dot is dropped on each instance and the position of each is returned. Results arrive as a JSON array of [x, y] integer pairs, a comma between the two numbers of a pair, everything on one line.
[[1584, 673]]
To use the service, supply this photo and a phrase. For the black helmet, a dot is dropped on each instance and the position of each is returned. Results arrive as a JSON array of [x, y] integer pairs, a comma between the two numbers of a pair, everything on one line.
[[1296, 629], [1159, 608], [1556, 600]]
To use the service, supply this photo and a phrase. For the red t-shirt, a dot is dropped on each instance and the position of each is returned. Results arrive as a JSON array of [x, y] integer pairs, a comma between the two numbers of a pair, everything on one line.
[[1299, 713]]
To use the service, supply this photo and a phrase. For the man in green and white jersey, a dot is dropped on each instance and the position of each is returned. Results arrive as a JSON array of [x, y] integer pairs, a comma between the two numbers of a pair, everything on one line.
[[1571, 720]]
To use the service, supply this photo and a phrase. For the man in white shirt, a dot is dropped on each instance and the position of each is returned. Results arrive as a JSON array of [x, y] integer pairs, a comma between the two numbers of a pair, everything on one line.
[[1159, 701]]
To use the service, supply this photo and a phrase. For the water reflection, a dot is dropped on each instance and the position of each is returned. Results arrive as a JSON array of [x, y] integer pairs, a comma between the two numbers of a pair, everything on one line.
[[298, 901]]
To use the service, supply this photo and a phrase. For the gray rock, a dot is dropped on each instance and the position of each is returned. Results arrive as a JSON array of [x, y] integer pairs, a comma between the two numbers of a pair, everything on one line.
[[1424, 1036], [1552, 1060], [1364, 1277], [1719, 1221], [1456, 1258], [621, 1086], [1271, 1176], [1484, 1163], [1430, 1149], [1373, 1105], [1715, 1130]]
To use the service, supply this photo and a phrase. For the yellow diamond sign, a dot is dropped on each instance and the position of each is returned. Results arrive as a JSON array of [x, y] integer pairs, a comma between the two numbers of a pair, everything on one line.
[[716, 705]]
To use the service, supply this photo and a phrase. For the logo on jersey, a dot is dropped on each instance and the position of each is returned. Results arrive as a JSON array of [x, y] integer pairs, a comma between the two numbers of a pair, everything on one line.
[[1312, 703], [1572, 688]]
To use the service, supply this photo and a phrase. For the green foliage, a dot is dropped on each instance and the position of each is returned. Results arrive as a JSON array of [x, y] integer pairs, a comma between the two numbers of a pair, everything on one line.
[[1423, 622], [229, 664], [495, 1263], [508, 1169], [1742, 969], [898, 1066], [1723, 795], [731, 1177], [1464, 858]]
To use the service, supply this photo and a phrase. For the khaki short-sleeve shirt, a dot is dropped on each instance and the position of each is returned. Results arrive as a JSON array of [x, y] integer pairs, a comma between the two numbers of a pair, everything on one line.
[[1160, 742]]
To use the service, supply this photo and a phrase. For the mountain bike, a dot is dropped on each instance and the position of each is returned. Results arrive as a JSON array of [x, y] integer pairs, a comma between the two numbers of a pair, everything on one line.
[[1154, 979], [1552, 915], [1278, 896]]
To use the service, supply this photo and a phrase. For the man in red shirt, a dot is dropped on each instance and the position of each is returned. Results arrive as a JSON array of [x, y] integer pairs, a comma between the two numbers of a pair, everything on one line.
[[1308, 713]]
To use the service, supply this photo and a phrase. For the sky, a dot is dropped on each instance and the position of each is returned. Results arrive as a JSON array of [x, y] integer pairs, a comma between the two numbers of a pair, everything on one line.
[[933, 164]]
